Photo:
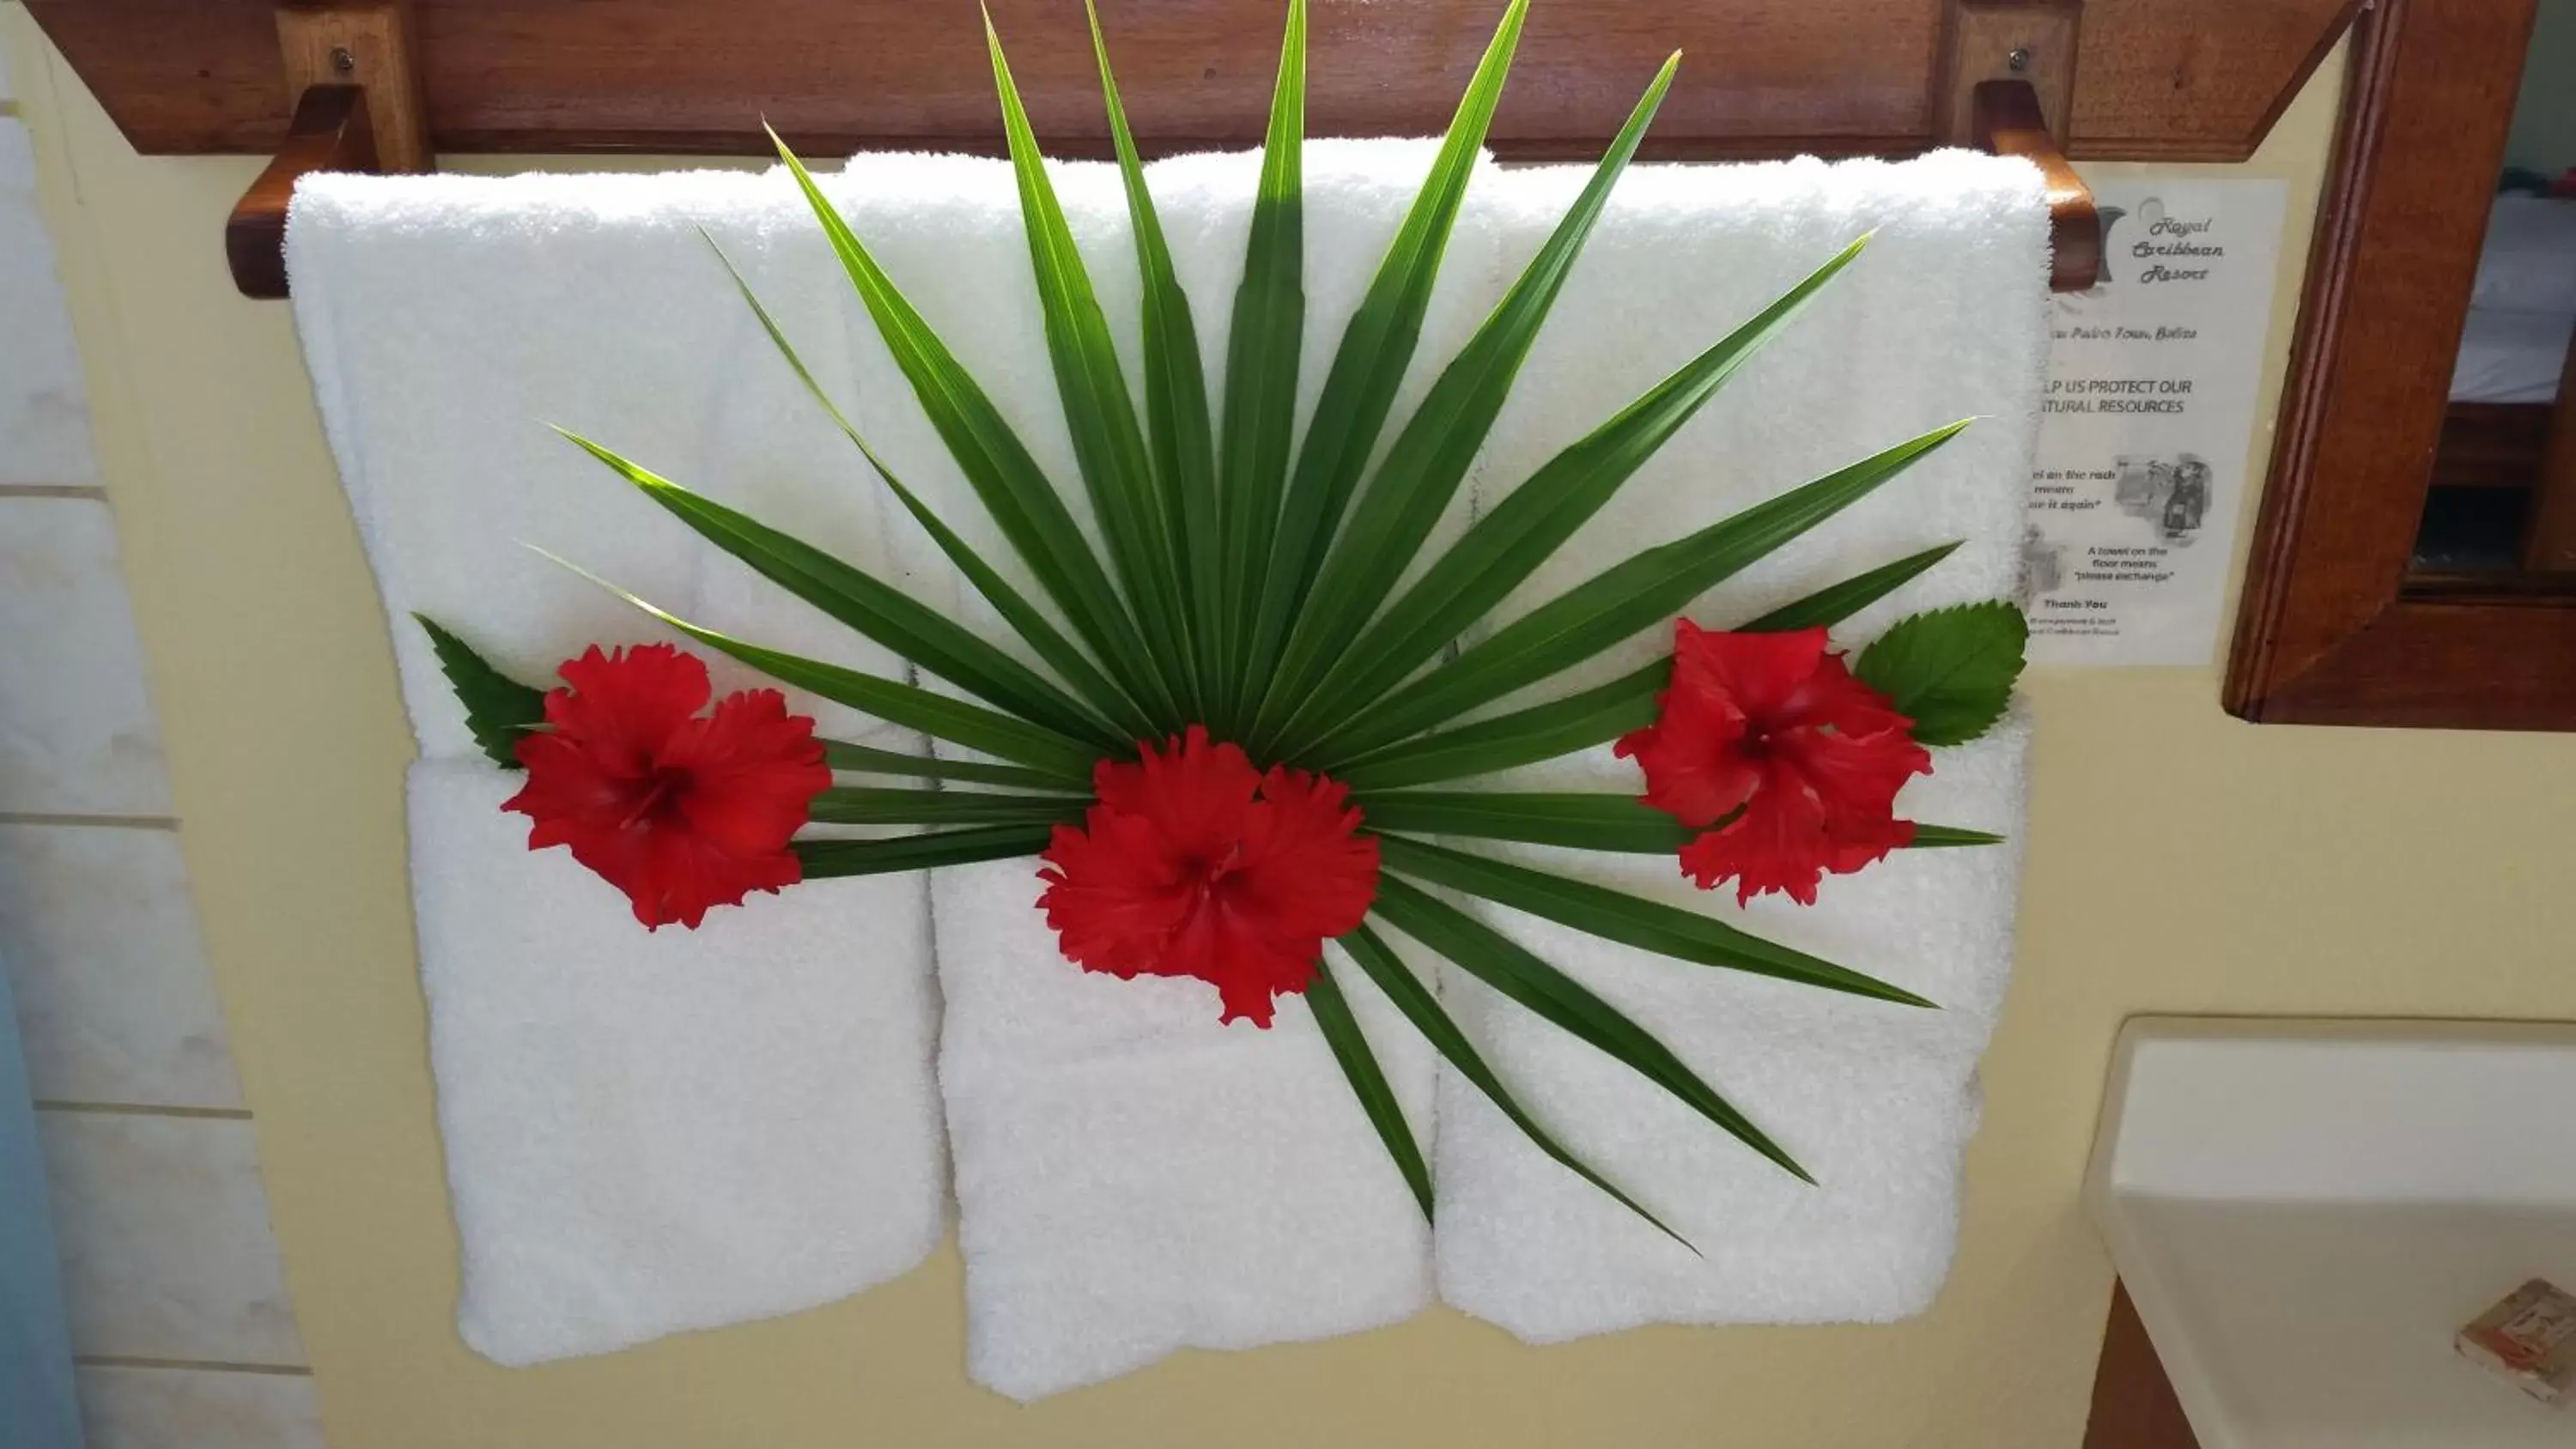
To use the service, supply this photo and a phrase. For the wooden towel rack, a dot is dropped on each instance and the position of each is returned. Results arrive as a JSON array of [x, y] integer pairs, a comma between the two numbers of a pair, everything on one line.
[[2003, 73], [357, 99]]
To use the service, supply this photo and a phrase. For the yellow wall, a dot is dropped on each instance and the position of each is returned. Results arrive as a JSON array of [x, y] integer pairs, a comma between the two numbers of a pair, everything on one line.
[[2180, 862]]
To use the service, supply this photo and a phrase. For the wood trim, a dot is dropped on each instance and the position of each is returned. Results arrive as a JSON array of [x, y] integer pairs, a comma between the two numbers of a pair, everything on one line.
[[2330, 630], [2178, 79], [2549, 535], [2134, 1406], [364, 43], [2024, 40], [333, 131]]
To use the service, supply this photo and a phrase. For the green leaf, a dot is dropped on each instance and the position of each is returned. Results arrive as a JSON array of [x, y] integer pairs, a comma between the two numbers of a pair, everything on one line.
[[825, 858], [1034, 629], [1261, 373], [1616, 604], [1943, 837], [1834, 603], [1368, 1082], [1429, 458], [1368, 368], [1420, 1007], [1629, 920], [1572, 819], [870, 805], [908, 705], [997, 465], [1605, 712], [1508, 544], [1951, 671], [851, 759], [498, 709], [875, 609], [1577, 820], [1502, 963], [1108, 446], [1176, 402], [1542, 732]]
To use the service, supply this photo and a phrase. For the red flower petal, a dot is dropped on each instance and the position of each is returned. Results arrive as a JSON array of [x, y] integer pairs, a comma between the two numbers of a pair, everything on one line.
[[1191, 864], [623, 708], [680, 812], [1792, 763]]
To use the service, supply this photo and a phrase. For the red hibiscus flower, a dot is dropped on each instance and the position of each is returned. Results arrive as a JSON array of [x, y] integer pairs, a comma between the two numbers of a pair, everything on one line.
[[1192, 863], [1788, 764], [678, 810]]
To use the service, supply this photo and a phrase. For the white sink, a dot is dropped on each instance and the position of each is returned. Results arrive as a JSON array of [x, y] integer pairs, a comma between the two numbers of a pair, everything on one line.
[[2305, 1212]]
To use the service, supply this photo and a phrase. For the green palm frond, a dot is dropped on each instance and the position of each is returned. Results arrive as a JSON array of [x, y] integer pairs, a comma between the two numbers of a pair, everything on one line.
[[1247, 581]]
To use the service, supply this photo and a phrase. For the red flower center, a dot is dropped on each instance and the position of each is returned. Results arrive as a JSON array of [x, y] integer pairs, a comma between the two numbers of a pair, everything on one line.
[[680, 811], [1193, 863], [1786, 763]]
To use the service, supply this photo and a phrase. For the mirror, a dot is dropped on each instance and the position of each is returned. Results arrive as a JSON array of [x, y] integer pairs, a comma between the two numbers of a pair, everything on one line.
[[2502, 501]]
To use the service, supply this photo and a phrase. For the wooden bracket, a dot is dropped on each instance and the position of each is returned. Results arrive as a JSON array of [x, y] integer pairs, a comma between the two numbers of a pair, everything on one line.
[[2007, 123], [2008, 69], [355, 89]]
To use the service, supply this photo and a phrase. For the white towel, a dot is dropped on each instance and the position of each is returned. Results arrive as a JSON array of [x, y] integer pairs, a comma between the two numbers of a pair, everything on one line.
[[649, 1133], [644, 1132], [1943, 317], [1133, 1177]]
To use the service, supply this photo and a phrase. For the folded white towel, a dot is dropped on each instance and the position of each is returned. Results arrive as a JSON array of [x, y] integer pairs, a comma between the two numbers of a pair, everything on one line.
[[1942, 318], [649, 1133], [644, 1133], [1133, 1177]]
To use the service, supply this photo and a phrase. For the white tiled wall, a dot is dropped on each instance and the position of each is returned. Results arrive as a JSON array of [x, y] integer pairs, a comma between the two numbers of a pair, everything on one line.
[[181, 1326]]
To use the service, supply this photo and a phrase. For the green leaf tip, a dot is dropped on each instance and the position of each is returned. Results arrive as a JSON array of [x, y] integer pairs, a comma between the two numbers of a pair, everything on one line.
[[1951, 671], [499, 710]]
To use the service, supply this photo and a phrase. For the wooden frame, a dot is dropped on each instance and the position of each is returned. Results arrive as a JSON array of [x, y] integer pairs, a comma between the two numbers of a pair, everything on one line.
[[2198, 80], [2332, 630], [2134, 1405]]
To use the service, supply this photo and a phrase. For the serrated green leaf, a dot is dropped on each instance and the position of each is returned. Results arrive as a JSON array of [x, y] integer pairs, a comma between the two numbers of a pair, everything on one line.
[[1368, 368], [1261, 374], [499, 710], [1951, 671], [873, 805], [1009, 483], [1108, 445], [873, 608], [1423, 468], [1368, 1082], [1604, 712], [1502, 963], [826, 858], [1629, 920], [851, 759], [1618, 603], [910, 706], [1043, 638], [1176, 400], [1420, 1007], [1508, 544]]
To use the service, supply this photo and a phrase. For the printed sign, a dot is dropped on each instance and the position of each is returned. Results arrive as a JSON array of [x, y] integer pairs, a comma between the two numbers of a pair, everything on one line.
[[2142, 461]]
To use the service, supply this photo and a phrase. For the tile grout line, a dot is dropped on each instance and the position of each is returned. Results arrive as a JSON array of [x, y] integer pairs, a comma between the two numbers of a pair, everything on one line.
[[99, 822], [124, 1109], [199, 1365], [53, 490]]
